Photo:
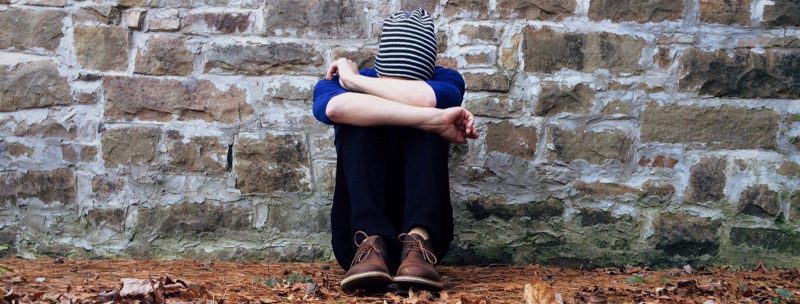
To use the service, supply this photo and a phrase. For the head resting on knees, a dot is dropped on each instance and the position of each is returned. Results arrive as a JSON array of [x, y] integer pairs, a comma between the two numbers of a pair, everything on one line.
[[407, 48]]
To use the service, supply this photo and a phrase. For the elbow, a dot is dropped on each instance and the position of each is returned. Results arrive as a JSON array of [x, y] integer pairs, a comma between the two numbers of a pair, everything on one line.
[[429, 102], [333, 111]]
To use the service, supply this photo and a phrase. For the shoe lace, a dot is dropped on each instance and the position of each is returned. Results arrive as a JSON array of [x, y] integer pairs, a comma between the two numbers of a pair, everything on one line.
[[412, 243], [364, 248]]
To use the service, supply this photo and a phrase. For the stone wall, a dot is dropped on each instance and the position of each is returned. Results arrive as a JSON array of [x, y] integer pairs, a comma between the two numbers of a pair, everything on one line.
[[612, 131]]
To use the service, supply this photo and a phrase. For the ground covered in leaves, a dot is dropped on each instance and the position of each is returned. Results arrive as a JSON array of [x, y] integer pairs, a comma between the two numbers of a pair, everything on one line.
[[85, 281]]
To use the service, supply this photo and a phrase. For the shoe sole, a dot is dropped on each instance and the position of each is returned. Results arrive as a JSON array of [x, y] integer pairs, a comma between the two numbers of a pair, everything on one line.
[[418, 282], [368, 281]]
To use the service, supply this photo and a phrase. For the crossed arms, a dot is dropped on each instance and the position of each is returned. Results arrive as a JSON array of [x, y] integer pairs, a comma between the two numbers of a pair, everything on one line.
[[360, 100]]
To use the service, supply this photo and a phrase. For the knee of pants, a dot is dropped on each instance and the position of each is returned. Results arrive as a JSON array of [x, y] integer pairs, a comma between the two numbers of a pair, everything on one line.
[[423, 139], [368, 134]]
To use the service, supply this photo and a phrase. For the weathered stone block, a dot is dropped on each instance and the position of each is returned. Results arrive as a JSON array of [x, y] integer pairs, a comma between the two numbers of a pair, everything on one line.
[[481, 32], [447, 62], [663, 58], [795, 141], [427, 5], [441, 41], [657, 188], [746, 74], [707, 180], [536, 9], [59, 3], [759, 200], [103, 14], [134, 19], [291, 90], [496, 82], [635, 10], [554, 99], [683, 234], [364, 58], [504, 137], [482, 207], [274, 163], [594, 217], [128, 98], [263, 59], [794, 207], [315, 18], [75, 152], [164, 56], [34, 84], [294, 219], [659, 161], [547, 51], [605, 189], [218, 23], [187, 220], [593, 147], [22, 29], [770, 239], [782, 13], [498, 106], [14, 149], [98, 218], [104, 186], [164, 20], [131, 3], [85, 98], [718, 128], [725, 11], [130, 146], [509, 54], [232, 3], [467, 8], [479, 59], [48, 186], [196, 154], [46, 128], [616, 53], [789, 169], [102, 47]]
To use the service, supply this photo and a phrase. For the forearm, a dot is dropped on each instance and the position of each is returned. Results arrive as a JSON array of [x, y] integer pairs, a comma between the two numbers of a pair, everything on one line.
[[410, 92], [366, 110]]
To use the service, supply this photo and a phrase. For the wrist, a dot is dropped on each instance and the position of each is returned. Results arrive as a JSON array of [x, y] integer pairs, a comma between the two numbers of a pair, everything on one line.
[[351, 82], [431, 119]]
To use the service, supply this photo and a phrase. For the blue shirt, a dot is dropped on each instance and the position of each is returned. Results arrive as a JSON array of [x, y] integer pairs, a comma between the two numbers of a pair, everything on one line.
[[447, 84]]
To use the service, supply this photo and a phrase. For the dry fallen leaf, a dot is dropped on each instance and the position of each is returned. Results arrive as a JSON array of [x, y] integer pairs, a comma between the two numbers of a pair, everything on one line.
[[17, 280], [539, 292], [135, 287], [760, 267]]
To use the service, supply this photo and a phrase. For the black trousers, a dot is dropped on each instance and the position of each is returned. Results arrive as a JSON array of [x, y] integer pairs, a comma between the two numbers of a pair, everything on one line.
[[389, 180]]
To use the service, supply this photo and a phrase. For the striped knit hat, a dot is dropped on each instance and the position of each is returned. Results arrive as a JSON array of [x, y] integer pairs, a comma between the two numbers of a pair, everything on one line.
[[408, 46]]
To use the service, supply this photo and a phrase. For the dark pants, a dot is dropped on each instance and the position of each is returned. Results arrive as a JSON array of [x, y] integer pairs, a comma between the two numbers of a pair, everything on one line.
[[389, 180]]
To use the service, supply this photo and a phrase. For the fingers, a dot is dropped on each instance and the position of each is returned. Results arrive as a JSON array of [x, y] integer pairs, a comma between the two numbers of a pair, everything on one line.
[[470, 125], [336, 66], [331, 69]]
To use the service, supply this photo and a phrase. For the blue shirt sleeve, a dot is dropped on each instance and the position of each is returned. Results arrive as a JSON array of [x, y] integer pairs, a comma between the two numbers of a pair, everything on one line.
[[323, 92], [449, 87]]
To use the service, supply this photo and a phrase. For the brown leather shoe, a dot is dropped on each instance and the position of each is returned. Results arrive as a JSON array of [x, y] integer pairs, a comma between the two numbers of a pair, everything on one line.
[[368, 270], [417, 267]]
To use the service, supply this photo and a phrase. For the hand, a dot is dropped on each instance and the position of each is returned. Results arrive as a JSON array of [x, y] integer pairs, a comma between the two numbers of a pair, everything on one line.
[[468, 125], [346, 69], [455, 125]]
